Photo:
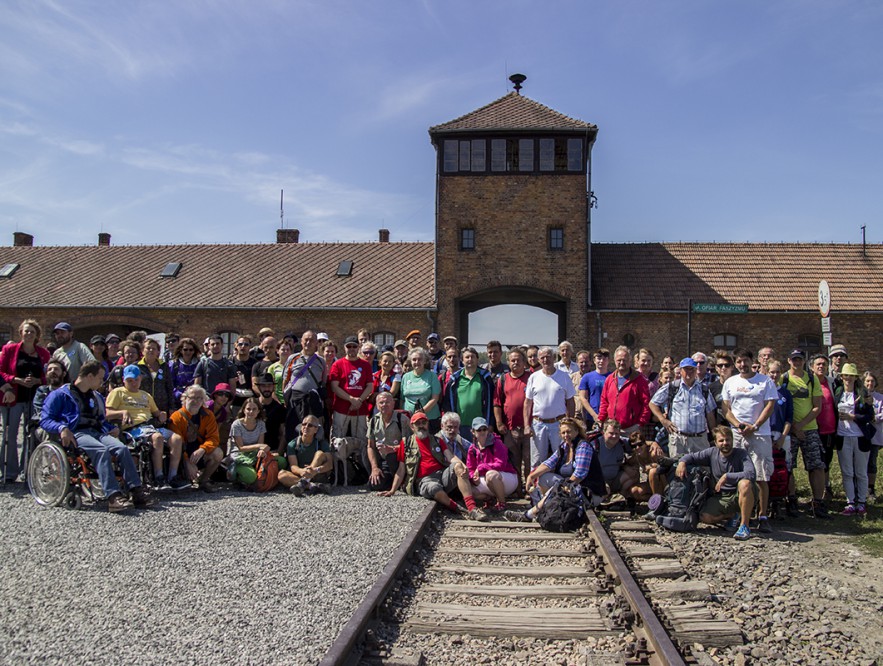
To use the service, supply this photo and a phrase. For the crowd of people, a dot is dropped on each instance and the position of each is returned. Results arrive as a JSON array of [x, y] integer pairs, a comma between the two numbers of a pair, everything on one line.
[[427, 417]]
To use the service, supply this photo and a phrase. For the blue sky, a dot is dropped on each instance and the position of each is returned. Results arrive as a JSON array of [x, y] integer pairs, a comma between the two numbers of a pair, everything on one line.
[[180, 122]]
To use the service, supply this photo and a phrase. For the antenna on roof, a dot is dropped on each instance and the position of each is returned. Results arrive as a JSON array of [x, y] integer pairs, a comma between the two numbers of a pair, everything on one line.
[[518, 79], [281, 209], [864, 253]]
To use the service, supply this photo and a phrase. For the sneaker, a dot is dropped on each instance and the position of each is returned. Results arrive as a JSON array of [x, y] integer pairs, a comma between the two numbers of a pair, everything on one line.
[[848, 511], [742, 534], [763, 525], [516, 516], [207, 486], [320, 489], [159, 482], [733, 523], [650, 515], [297, 490], [179, 483], [478, 515], [141, 498], [860, 510], [118, 503]]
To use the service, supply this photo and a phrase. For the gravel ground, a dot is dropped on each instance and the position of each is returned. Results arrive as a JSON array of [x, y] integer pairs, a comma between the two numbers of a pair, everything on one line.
[[799, 597], [229, 578]]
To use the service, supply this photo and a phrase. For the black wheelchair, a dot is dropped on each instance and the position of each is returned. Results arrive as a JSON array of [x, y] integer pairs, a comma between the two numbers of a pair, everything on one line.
[[64, 476]]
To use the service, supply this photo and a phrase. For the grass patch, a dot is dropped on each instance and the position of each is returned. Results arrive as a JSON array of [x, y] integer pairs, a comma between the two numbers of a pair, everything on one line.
[[866, 533]]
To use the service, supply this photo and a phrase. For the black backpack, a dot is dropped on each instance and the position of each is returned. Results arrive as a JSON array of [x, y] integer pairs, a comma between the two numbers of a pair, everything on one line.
[[683, 500], [564, 509]]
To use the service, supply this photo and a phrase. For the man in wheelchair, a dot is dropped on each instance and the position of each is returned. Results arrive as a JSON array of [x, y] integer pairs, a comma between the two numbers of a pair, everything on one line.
[[138, 413], [75, 414]]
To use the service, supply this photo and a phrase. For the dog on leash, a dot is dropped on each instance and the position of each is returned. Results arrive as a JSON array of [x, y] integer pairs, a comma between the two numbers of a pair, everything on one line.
[[341, 449]]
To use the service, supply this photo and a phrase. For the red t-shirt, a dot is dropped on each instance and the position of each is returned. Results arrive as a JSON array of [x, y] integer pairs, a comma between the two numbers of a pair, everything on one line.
[[512, 398], [827, 418], [352, 377], [428, 464]]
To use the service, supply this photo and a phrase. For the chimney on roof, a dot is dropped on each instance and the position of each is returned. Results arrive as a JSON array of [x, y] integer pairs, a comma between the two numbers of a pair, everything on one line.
[[384, 235], [287, 235], [518, 79], [21, 239], [104, 238]]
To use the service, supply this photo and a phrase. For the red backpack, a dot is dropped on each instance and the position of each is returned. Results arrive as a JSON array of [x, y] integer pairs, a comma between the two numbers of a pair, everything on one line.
[[268, 473]]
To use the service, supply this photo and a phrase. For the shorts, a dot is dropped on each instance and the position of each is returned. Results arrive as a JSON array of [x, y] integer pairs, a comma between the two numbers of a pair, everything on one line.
[[148, 430], [680, 445], [760, 451], [442, 481], [725, 504], [510, 483], [812, 450]]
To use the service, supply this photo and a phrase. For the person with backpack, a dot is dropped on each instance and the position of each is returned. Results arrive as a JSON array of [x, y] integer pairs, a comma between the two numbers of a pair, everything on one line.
[[780, 432], [573, 461], [197, 426], [247, 435], [733, 475], [689, 411], [385, 430]]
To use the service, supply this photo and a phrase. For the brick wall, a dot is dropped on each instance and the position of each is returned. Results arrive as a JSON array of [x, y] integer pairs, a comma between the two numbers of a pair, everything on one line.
[[511, 215]]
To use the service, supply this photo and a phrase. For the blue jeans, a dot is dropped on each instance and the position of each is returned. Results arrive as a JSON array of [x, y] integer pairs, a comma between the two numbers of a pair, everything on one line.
[[102, 449], [11, 417]]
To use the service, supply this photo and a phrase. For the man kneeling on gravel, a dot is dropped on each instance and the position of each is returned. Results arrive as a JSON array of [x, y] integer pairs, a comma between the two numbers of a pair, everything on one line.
[[734, 491], [75, 414], [429, 469]]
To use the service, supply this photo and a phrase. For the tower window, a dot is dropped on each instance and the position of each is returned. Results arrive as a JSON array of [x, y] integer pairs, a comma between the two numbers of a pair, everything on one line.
[[467, 239], [556, 238]]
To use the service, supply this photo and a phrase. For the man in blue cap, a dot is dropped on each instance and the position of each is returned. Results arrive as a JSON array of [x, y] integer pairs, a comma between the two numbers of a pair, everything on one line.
[[688, 413], [72, 353]]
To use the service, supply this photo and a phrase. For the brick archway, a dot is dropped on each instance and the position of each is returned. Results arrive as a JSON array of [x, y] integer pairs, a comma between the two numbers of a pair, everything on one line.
[[486, 298]]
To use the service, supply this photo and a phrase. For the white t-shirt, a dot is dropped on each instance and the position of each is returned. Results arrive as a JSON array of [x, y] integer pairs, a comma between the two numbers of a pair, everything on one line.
[[747, 398], [549, 393], [846, 427]]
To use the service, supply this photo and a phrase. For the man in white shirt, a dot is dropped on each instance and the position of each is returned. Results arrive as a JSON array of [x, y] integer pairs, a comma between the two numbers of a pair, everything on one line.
[[548, 398]]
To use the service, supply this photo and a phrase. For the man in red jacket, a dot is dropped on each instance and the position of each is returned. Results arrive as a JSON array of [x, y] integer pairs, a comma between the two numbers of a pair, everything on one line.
[[626, 394]]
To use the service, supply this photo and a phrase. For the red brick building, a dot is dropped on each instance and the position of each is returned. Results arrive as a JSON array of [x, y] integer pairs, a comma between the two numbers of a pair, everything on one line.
[[513, 225]]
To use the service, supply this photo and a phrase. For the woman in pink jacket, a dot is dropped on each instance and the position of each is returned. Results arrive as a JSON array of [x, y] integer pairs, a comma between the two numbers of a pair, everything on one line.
[[23, 368], [490, 471]]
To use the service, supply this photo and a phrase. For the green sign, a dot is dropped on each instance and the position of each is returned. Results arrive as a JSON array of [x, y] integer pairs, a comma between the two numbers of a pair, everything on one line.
[[720, 308]]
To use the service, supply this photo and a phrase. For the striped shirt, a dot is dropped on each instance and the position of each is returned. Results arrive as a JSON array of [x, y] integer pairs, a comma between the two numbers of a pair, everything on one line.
[[689, 407]]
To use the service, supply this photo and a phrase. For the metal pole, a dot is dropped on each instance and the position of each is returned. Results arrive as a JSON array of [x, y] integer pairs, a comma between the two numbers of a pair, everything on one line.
[[689, 325]]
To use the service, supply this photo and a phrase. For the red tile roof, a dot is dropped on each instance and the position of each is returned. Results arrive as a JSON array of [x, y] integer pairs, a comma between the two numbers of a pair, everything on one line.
[[765, 276], [513, 112], [296, 275]]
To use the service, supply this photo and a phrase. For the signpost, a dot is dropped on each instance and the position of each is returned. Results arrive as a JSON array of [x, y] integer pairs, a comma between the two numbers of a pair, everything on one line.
[[825, 311]]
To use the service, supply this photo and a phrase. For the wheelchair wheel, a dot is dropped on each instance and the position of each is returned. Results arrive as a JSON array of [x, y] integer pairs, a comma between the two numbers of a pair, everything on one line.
[[73, 500], [49, 474]]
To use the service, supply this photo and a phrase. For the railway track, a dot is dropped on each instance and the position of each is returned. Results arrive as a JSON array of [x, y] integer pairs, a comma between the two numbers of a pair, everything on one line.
[[464, 592]]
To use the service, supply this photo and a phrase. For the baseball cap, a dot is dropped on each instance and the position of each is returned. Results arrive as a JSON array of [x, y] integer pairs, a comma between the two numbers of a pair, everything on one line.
[[450, 338], [63, 326], [413, 333], [432, 336], [797, 353], [266, 378], [688, 363], [319, 336], [223, 387], [131, 372], [98, 340], [351, 340], [838, 349], [401, 343], [111, 337], [418, 416], [478, 423]]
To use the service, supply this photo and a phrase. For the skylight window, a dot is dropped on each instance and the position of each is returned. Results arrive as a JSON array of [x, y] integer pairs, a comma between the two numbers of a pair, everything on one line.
[[8, 270], [171, 270], [345, 268]]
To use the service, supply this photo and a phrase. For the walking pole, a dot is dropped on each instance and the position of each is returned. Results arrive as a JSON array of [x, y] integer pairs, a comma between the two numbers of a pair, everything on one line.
[[5, 416]]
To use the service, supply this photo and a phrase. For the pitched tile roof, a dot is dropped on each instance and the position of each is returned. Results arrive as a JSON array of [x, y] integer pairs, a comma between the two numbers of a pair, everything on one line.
[[513, 112], [285, 275], [765, 276]]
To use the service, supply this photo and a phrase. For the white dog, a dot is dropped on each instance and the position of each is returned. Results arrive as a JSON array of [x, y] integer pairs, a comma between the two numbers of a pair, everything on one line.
[[341, 449]]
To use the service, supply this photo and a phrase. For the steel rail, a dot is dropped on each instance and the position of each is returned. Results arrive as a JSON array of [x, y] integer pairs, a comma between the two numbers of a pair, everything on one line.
[[663, 646], [340, 652]]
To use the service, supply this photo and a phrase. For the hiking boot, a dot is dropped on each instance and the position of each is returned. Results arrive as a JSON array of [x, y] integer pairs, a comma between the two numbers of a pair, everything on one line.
[[848, 511], [141, 498], [650, 515], [763, 525], [478, 515], [118, 503], [207, 486], [319, 489], [791, 508], [159, 482], [179, 483], [742, 534], [860, 510], [297, 489], [516, 516], [818, 510]]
